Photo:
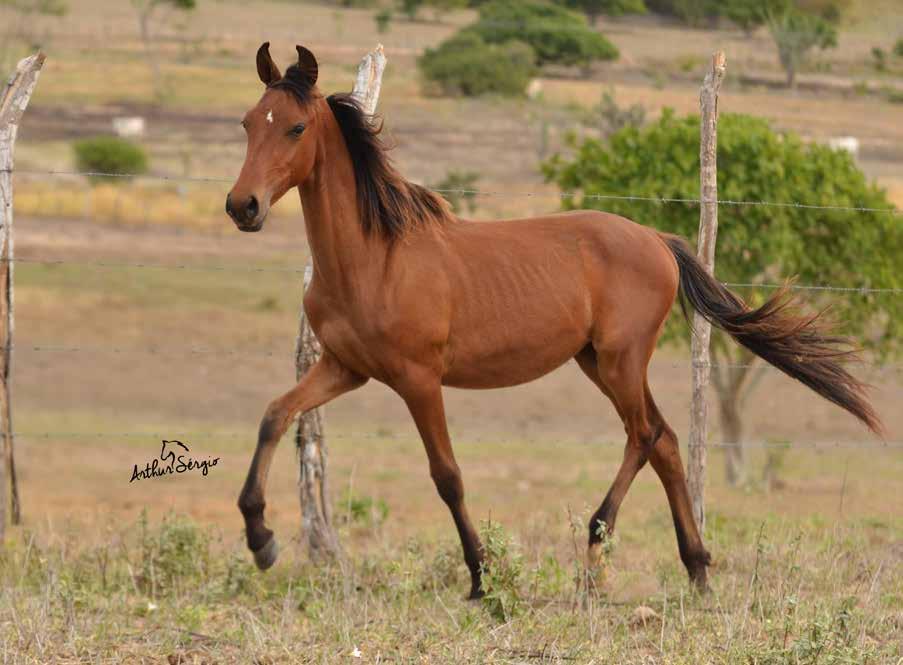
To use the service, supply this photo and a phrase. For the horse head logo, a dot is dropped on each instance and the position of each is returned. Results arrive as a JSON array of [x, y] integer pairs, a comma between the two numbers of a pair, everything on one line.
[[169, 454]]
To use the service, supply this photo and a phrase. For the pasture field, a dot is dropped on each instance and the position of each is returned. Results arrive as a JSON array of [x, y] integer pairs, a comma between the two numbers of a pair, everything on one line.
[[164, 322]]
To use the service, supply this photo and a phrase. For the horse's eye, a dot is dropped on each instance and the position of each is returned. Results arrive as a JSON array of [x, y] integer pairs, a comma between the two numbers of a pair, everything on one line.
[[297, 130]]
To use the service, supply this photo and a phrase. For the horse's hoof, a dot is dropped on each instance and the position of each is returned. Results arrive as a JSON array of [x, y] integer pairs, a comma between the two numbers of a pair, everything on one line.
[[266, 556], [476, 594]]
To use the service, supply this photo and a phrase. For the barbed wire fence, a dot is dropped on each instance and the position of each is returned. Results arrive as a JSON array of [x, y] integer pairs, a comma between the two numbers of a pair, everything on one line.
[[8, 170]]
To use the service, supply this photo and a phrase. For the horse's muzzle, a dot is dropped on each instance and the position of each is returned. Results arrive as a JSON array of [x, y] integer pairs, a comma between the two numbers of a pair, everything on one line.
[[246, 214]]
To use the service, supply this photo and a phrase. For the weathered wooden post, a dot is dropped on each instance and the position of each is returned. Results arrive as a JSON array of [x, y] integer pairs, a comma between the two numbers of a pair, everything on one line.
[[702, 330], [316, 517], [12, 105]]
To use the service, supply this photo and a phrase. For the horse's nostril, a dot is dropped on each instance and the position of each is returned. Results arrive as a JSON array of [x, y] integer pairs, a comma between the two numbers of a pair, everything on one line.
[[252, 209], [229, 210]]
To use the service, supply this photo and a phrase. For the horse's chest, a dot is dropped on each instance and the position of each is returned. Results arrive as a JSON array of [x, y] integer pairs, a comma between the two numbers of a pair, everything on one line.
[[353, 343]]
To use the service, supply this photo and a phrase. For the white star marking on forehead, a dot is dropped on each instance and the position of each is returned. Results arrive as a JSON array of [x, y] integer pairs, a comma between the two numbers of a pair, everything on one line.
[[270, 116]]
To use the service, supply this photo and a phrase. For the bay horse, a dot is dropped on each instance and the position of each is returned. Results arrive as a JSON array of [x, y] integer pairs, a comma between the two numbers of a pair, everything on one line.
[[406, 293]]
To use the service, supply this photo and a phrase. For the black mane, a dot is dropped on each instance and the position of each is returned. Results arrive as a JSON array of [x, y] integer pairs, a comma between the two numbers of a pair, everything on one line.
[[388, 203]]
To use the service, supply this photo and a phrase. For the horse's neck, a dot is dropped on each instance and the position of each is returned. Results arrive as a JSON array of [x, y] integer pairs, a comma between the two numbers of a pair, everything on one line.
[[339, 248]]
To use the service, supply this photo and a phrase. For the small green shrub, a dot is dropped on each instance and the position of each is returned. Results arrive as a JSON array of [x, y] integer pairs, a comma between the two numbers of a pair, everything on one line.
[[365, 510], [893, 95], [172, 554], [109, 154], [383, 20], [503, 573], [609, 117], [557, 35], [879, 58], [898, 48], [467, 65]]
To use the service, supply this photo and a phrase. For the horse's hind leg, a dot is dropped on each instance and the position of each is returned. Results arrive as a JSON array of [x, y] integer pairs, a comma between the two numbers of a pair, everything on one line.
[[635, 452], [622, 376], [665, 459]]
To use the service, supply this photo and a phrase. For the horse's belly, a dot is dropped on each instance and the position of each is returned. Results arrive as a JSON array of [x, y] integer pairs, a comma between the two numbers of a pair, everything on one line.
[[507, 358]]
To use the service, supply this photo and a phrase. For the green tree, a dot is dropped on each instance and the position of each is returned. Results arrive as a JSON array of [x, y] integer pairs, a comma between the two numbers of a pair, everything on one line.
[[796, 32], [467, 65], [756, 244], [558, 36], [148, 12]]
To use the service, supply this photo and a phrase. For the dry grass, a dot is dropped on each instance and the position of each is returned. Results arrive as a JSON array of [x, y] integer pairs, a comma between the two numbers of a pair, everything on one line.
[[784, 592], [196, 206]]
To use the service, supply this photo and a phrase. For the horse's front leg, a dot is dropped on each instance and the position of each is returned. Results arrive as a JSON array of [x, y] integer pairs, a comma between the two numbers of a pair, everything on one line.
[[425, 403], [326, 380]]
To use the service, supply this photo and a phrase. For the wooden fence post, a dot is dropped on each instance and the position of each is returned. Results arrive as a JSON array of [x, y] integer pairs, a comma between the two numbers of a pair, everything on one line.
[[708, 229], [12, 105], [316, 521]]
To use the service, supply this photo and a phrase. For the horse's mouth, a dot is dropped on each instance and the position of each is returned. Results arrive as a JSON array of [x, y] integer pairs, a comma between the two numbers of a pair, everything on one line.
[[253, 227]]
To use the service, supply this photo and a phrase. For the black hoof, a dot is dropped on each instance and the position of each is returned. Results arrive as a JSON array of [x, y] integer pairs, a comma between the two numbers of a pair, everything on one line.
[[266, 556], [476, 594]]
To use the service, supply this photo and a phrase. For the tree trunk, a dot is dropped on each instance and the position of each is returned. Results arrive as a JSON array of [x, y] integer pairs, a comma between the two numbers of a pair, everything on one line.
[[144, 18], [791, 76], [732, 432]]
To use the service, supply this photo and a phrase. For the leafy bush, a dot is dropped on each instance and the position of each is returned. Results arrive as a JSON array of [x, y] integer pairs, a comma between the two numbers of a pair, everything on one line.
[[879, 58], [109, 154], [898, 48], [611, 118], [383, 20], [503, 573], [557, 35], [467, 65], [175, 551]]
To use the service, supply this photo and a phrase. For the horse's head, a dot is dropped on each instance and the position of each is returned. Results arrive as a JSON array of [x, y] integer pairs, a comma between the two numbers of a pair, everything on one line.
[[281, 131]]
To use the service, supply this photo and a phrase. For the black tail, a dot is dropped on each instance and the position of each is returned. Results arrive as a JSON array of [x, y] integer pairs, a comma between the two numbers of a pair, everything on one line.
[[797, 345]]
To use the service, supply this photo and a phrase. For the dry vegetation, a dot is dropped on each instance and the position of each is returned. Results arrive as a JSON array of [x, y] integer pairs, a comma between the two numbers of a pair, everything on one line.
[[808, 564]]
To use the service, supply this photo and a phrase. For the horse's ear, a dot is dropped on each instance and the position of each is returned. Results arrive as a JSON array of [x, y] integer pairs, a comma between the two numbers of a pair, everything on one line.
[[307, 63], [266, 68]]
